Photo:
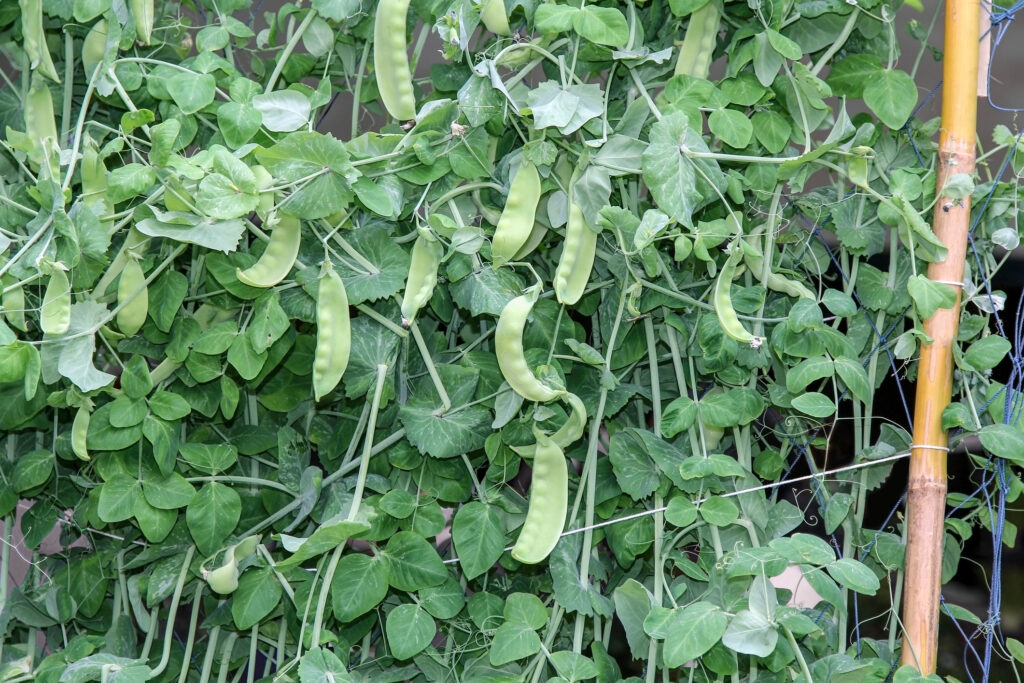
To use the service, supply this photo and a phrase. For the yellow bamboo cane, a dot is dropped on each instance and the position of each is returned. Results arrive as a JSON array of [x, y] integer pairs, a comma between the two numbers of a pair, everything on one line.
[[927, 483]]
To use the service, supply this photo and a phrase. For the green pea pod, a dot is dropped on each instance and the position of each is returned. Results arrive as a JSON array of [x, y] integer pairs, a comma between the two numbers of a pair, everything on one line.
[[568, 433], [698, 46], [144, 14], [419, 286], [508, 340], [577, 259], [278, 258], [549, 500], [775, 281], [132, 298], [224, 579], [79, 431], [333, 333], [493, 17], [94, 47], [55, 316], [518, 218], [721, 299], [35, 39], [13, 303], [41, 126], [391, 62]]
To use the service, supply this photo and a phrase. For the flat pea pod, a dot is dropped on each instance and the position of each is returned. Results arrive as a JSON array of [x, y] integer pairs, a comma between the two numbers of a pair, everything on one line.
[[577, 259], [55, 315], [518, 217], [94, 47], [278, 258], [132, 298], [721, 300], [144, 14], [224, 579], [549, 499], [79, 431], [419, 286], [775, 281], [391, 61], [13, 304], [568, 433], [699, 43], [493, 16], [34, 38], [333, 333], [41, 126], [508, 340]]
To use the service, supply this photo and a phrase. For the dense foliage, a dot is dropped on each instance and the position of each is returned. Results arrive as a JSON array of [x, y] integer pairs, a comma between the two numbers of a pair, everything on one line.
[[228, 508]]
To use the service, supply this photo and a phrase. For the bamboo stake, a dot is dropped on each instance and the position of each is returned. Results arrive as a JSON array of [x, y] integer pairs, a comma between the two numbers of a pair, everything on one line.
[[926, 500]]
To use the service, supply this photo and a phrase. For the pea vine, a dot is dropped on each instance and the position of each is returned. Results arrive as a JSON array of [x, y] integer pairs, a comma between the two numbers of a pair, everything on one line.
[[457, 341]]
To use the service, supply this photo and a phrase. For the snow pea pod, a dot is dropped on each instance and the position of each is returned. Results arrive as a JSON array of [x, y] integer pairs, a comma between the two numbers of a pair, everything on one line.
[[55, 316], [775, 281], [278, 258], [35, 39], [391, 63], [79, 431], [549, 499], [568, 433], [517, 219], [493, 17], [699, 43], [508, 340], [419, 286], [721, 300], [333, 333], [132, 298], [577, 259], [13, 303], [144, 14]]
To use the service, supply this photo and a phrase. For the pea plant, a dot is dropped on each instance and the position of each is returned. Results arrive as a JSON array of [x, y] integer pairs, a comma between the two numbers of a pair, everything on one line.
[[456, 341]]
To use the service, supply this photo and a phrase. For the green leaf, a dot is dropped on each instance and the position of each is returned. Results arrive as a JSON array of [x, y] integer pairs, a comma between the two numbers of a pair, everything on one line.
[[678, 416], [854, 575], [815, 404], [804, 549], [191, 91], [525, 608], [573, 666], [719, 511], [731, 126], [693, 631], [602, 25], [670, 175], [32, 470], [513, 641], [257, 595], [208, 232], [282, 111], [479, 538], [929, 296], [751, 633], [412, 562], [129, 181], [987, 352], [319, 165], [891, 95], [389, 261], [855, 377], [550, 18], [847, 77], [360, 583], [238, 123], [322, 666], [444, 435], [168, 492], [632, 605], [1003, 441], [212, 516], [329, 535], [209, 458], [486, 291], [409, 629], [117, 498], [807, 371]]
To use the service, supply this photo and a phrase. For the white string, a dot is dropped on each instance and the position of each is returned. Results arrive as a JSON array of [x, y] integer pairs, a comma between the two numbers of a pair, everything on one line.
[[929, 447], [950, 283], [762, 487]]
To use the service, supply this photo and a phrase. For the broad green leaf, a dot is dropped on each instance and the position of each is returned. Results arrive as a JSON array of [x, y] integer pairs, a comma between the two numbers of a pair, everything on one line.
[[891, 95], [930, 296], [750, 633], [601, 25], [479, 538], [258, 593], [360, 583], [987, 352], [322, 666], [282, 111], [191, 91], [809, 370], [409, 629], [854, 377], [1003, 441], [328, 536], [854, 575], [513, 641], [815, 404], [632, 605], [168, 492], [692, 632], [719, 511], [731, 126], [443, 435], [525, 608], [32, 470], [117, 498], [209, 458], [212, 515], [412, 562]]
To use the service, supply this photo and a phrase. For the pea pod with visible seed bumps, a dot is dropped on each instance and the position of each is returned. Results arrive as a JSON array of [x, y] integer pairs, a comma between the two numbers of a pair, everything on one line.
[[391, 63], [94, 47], [13, 303], [419, 286], [493, 16], [278, 258], [41, 126], [699, 43], [568, 433], [55, 316], [721, 299], [143, 13], [35, 39], [132, 298], [577, 259], [508, 340], [79, 431], [549, 499], [517, 220], [333, 333]]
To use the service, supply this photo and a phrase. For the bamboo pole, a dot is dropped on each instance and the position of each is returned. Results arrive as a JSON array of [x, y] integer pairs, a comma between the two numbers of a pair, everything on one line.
[[926, 500]]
